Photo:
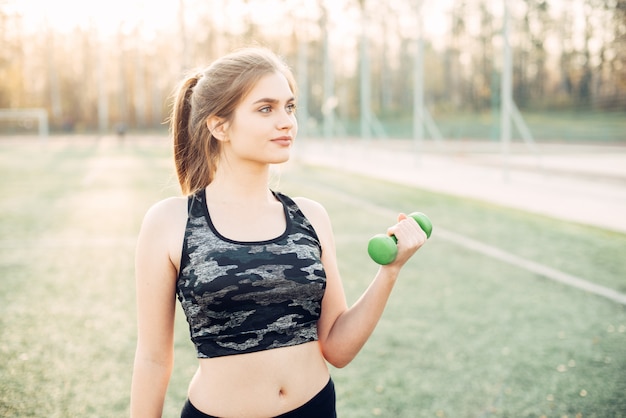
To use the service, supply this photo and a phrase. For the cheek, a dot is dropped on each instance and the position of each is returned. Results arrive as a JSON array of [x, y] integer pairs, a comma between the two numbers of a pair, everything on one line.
[[295, 125], [238, 126]]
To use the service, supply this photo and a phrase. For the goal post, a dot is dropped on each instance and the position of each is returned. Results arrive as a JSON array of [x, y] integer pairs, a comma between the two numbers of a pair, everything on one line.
[[25, 117]]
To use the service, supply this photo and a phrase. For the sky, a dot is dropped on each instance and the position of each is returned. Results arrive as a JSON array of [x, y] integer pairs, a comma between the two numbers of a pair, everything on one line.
[[108, 15], [105, 15]]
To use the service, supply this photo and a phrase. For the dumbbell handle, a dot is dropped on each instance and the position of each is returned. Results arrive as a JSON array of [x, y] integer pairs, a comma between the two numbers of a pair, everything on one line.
[[383, 248]]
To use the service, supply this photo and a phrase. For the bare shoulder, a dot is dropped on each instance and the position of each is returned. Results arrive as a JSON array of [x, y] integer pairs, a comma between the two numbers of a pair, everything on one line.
[[316, 213], [163, 230], [165, 218], [311, 209], [171, 209]]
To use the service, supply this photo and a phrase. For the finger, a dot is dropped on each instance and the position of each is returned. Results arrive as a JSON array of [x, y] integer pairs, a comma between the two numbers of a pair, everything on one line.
[[408, 230], [412, 229]]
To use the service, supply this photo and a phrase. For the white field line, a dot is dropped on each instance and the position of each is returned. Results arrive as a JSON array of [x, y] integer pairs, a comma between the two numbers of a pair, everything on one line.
[[532, 266], [499, 254]]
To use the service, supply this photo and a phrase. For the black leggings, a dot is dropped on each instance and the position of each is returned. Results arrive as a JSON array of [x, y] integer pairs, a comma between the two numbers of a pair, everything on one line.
[[321, 405]]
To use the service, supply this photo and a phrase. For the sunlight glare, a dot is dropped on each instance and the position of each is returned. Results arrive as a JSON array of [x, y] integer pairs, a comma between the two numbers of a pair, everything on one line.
[[107, 17]]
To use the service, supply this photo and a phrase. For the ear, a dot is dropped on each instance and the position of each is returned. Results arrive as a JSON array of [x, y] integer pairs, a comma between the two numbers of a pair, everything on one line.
[[217, 126]]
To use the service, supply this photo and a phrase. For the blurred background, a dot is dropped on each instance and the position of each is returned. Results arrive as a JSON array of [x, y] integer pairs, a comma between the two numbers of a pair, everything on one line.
[[393, 68]]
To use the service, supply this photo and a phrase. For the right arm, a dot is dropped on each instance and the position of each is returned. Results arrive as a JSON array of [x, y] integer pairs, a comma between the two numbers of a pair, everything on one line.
[[157, 261], [343, 330]]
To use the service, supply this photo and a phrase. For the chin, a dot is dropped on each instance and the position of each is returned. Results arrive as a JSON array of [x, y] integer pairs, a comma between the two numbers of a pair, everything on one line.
[[279, 159]]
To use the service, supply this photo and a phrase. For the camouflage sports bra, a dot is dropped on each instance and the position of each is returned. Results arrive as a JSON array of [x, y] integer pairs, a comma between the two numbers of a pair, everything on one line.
[[242, 297]]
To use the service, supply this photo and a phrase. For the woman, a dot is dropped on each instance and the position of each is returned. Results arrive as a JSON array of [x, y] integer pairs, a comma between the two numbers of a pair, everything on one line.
[[254, 270]]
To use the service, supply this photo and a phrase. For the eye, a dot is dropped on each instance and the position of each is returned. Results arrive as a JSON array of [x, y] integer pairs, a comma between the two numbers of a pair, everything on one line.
[[291, 107], [265, 109]]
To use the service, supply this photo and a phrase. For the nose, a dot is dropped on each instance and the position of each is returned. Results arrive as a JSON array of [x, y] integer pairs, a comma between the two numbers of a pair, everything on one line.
[[286, 120]]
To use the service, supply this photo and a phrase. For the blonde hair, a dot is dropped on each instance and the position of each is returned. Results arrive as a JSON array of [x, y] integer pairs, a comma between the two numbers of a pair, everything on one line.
[[214, 91]]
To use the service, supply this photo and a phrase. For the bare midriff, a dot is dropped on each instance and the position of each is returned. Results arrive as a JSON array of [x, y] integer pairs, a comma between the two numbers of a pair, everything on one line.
[[261, 384]]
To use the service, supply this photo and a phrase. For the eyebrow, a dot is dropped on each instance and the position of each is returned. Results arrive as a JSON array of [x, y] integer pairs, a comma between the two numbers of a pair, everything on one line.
[[272, 101]]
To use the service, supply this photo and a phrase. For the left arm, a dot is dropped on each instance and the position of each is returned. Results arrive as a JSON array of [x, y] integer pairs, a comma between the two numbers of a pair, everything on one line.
[[343, 331]]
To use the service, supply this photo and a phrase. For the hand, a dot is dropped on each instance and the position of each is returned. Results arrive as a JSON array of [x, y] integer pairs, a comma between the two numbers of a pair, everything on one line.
[[410, 238]]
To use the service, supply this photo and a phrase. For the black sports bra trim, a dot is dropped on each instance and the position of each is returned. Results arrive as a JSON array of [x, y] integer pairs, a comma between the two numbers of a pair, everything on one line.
[[207, 215]]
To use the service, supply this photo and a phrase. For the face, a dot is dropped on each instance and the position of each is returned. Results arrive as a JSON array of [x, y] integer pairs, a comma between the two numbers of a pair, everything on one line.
[[264, 125]]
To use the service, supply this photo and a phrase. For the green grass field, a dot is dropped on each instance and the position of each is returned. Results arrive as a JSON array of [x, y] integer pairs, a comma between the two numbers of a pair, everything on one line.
[[464, 335], [600, 127]]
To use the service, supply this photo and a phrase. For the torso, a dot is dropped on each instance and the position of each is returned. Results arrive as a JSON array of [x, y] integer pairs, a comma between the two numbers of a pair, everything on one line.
[[264, 383]]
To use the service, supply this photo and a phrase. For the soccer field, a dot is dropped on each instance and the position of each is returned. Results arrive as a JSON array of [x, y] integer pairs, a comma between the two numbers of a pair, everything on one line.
[[464, 334]]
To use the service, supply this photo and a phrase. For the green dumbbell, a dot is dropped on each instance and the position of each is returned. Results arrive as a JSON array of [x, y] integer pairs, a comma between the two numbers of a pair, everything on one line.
[[383, 248]]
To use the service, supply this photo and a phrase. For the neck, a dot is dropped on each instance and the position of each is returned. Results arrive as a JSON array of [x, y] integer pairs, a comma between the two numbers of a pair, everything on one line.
[[240, 185]]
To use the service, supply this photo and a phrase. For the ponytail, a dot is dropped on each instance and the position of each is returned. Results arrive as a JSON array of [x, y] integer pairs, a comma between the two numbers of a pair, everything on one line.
[[195, 150]]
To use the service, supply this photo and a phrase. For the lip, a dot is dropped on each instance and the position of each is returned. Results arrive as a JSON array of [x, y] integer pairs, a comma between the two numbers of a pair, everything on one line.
[[283, 140]]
